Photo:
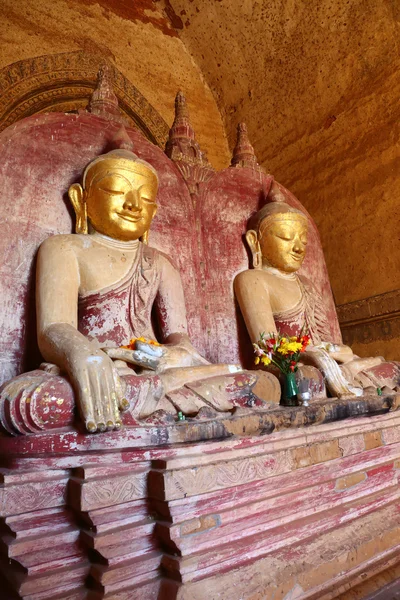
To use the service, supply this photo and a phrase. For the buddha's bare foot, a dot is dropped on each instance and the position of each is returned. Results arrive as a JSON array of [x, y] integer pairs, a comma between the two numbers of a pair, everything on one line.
[[173, 379], [352, 368]]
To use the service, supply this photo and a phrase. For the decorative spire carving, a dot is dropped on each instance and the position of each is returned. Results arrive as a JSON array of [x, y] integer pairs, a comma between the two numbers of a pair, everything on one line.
[[181, 128], [183, 149], [243, 153], [103, 101]]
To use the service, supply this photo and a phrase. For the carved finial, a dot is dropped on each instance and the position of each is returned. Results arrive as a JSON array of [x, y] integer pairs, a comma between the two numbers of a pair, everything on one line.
[[183, 149], [243, 153], [181, 128], [182, 112], [103, 101]]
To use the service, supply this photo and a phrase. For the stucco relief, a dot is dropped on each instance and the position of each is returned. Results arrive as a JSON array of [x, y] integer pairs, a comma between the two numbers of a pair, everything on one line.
[[64, 83]]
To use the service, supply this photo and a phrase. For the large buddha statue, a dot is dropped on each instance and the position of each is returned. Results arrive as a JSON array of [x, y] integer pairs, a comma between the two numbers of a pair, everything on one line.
[[274, 297], [96, 290]]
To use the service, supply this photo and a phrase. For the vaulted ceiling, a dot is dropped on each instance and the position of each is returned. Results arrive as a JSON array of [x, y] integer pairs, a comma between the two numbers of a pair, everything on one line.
[[288, 67], [318, 84]]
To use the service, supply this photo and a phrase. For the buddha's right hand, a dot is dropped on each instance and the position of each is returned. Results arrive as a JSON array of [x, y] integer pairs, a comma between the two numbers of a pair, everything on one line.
[[99, 389], [160, 358]]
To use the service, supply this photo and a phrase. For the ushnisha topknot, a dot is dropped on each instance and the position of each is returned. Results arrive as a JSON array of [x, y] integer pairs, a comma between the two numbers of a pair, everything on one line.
[[270, 212], [121, 155], [123, 159]]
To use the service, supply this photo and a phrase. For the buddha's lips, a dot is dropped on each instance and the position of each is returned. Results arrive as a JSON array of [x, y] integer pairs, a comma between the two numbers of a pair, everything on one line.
[[134, 218], [297, 256]]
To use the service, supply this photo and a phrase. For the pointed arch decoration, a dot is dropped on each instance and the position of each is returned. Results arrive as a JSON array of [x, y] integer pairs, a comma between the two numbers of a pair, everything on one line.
[[64, 83]]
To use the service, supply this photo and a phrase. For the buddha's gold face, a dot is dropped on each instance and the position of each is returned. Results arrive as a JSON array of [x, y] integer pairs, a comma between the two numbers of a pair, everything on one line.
[[283, 242], [121, 203]]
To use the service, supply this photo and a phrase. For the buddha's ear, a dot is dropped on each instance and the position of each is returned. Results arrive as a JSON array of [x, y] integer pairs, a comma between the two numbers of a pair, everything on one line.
[[77, 199], [254, 245]]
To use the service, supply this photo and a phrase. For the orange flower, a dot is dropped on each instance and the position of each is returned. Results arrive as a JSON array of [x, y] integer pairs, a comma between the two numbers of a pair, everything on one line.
[[132, 343]]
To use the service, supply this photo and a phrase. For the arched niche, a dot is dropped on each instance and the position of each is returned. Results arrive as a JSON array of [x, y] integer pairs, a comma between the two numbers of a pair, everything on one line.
[[64, 83]]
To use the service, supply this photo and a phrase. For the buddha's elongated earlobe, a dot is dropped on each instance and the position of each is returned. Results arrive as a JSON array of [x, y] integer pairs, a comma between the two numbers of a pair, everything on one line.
[[254, 245], [76, 196]]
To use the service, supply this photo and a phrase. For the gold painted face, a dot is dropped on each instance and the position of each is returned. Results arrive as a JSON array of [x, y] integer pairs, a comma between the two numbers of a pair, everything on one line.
[[121, 202], [283, 241]]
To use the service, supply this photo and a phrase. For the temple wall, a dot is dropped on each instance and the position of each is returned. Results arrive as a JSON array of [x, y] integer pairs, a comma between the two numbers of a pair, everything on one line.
[[139, 39], [318, 84]]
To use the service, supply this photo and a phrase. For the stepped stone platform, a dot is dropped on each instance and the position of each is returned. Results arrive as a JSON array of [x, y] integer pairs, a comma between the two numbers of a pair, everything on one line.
[[288, 503]]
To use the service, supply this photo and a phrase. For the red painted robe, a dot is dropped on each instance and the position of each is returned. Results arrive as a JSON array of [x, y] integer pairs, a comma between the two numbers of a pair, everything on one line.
[[124, 310], [309, 313]]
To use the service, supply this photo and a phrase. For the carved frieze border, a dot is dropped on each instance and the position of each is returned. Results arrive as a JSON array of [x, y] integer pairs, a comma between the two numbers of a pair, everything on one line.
[[375, 318], [65, 82]]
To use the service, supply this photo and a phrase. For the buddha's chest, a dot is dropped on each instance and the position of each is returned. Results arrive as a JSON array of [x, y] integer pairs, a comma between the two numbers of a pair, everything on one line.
[[284, 294], [102, 267]]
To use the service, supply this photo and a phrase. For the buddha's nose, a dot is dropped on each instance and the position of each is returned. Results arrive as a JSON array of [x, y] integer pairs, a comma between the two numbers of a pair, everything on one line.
[[298, 247], [132, 201]]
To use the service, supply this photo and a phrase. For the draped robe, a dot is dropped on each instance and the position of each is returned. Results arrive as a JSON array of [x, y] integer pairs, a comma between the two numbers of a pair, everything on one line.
[[117, 313], [309, 314]]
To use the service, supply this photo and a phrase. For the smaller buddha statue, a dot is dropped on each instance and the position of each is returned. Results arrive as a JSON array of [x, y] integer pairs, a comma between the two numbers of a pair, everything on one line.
[[274, 297]]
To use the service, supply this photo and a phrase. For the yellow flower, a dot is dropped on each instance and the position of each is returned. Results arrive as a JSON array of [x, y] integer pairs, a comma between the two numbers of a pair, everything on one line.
[[293, 338], [283, 349], [256, 360], [294, 346], [265, 360]]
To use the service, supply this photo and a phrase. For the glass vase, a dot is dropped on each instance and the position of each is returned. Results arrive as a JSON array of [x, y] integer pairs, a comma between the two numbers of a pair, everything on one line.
[[289, 390]]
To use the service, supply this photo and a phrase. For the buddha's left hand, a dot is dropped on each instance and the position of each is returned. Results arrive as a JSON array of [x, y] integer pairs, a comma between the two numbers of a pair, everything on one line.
[[338, 352], [178, 352]]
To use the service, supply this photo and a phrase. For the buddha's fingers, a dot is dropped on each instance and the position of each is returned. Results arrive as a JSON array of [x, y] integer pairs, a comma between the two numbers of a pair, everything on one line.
[[98, 392], [85, 404], [145, 360], [150, 349], [135, 357], [110, 387], [120, 403], [109, 400]]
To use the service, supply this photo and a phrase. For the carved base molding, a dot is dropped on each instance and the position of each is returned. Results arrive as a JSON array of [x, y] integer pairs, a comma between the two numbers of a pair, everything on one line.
[[64, 83], [372, 319], [251, 516]]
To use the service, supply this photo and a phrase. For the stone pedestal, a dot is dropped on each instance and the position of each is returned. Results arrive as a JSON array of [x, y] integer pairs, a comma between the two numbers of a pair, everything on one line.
[[258, 505]]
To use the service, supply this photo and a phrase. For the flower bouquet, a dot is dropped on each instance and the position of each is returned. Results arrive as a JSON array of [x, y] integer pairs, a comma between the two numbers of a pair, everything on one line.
[[284, 353]]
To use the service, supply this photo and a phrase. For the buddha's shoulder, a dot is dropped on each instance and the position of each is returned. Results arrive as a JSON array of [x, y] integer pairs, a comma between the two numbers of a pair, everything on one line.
[[64, 241], [249, 277], [163, 259]]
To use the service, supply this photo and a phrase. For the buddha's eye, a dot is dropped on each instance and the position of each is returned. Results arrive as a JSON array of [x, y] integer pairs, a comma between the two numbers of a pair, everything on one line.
[[287, 238], [112, 191], [146, 195]]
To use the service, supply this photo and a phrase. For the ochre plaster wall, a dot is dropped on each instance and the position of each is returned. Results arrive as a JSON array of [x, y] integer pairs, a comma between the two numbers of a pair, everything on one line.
[[318, 84], [138, 38]]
